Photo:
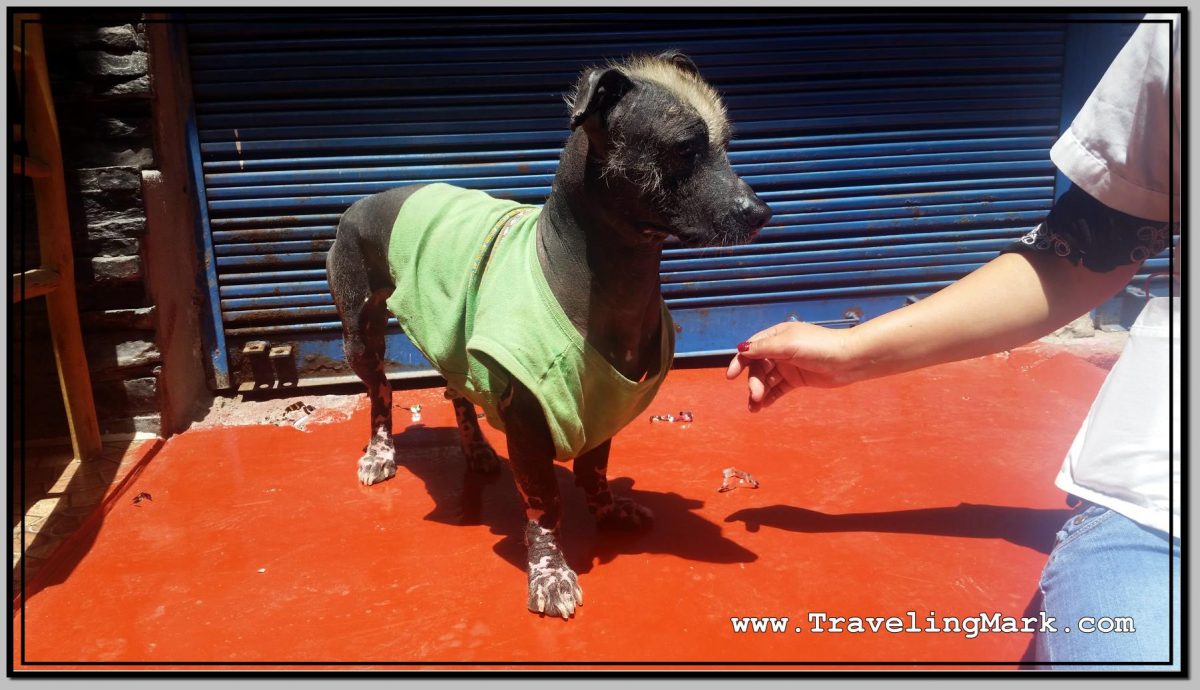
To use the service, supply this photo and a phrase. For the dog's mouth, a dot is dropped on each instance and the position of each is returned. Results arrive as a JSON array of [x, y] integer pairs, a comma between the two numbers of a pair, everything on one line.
[[690, 239], [657, 233]]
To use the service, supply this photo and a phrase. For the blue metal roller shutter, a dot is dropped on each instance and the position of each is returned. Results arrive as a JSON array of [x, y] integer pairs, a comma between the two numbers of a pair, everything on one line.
[[897, 156]]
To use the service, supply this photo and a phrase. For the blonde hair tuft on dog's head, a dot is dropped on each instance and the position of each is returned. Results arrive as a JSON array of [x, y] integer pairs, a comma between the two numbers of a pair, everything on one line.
[[685, 84]]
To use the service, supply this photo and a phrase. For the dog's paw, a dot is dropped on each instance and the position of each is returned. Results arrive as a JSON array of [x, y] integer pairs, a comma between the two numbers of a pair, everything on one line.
[[624, 514], [553, 587], [379, 463], [373, 469], [482, 459]]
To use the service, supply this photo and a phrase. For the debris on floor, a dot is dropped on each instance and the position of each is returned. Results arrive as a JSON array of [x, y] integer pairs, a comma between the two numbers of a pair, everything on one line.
[[143, 496], [416, 412], [295, 414], [684, 417], [743, 479], [301, 413]]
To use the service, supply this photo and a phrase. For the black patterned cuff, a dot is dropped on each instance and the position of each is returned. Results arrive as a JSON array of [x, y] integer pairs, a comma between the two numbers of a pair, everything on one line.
[[1082, 230]]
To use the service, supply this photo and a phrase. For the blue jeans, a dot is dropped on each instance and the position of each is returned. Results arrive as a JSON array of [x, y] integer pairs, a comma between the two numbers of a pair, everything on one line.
[[1106, 568]]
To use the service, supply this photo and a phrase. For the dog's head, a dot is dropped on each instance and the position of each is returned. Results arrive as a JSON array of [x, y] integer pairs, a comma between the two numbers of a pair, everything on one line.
[[657, 136]]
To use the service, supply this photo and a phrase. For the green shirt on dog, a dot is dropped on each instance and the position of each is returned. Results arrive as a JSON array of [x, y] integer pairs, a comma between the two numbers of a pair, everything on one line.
[[471, 296]]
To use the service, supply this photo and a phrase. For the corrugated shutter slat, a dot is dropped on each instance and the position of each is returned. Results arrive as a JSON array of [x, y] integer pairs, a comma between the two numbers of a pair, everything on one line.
[[897, 155]]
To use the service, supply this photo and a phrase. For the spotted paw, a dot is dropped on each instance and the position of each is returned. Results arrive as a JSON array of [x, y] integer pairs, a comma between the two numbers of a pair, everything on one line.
[[379, 463], [553, 587], [623, 514], [482, 459]]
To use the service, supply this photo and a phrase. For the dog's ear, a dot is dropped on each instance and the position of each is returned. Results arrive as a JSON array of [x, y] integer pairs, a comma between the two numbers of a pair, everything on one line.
[[597, 91], [681, 61]]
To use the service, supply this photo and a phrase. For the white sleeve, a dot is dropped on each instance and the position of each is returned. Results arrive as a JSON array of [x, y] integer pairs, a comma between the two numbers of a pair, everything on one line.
[[1118, 148]]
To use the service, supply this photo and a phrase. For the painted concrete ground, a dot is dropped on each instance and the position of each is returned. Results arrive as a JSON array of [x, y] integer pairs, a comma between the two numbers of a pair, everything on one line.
[[927, 492]]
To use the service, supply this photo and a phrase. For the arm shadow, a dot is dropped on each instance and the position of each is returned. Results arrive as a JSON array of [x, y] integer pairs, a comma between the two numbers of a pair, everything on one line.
[[1034, 528]]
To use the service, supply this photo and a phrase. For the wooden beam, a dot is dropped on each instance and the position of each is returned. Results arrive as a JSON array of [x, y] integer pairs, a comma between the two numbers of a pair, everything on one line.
[[32, 167], [35, 283], [54, 239]]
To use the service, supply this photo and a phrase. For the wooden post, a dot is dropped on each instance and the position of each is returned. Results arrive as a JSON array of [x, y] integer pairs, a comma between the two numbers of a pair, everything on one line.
[[54, 235]]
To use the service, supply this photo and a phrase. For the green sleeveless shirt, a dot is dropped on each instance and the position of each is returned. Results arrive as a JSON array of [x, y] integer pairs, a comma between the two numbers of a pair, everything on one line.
[[471, 296]]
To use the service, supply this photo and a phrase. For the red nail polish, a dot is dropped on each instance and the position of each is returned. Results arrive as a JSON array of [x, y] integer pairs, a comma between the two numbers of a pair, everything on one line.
[[744, 347]]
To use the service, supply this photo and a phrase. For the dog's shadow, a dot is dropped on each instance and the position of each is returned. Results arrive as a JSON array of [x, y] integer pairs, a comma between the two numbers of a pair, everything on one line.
[[462, 497]]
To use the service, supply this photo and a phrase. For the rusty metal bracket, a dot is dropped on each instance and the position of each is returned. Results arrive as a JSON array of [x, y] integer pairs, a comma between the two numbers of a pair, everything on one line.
[[284, 360], [255, 352]]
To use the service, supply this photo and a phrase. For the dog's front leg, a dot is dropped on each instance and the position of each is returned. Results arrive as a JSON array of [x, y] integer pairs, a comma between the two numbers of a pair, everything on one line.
[[553, 586], [591, 474]]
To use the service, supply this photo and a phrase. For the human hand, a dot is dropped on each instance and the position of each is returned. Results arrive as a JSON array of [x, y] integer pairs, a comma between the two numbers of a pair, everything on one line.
[[794, 354]]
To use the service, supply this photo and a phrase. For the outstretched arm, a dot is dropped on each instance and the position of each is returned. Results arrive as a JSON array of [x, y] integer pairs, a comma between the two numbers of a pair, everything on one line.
[[1011, 300]]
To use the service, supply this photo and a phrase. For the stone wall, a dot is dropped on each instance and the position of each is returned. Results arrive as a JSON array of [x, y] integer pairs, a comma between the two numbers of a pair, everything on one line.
[[99, 76]]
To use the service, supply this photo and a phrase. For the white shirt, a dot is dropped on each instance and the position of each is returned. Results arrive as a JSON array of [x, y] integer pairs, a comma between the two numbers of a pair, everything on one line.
[[1118, 149]]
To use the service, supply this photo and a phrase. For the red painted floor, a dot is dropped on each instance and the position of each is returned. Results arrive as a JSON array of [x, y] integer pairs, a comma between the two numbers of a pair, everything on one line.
[[928, 492]]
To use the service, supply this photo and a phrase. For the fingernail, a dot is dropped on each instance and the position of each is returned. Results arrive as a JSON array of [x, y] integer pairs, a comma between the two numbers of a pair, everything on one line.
[[744, 347]]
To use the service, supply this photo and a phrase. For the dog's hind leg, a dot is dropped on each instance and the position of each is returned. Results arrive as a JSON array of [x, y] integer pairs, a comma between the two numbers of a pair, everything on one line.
[[379, 461], [591, 474], [364, 322], [481, 458]]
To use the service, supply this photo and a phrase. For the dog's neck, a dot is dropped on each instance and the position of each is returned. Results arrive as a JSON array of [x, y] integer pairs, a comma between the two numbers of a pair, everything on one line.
[[607, 285]]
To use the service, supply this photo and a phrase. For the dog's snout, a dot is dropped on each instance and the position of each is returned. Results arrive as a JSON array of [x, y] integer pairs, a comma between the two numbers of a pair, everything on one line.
[[751, 208]]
